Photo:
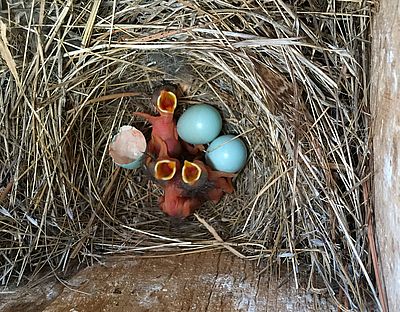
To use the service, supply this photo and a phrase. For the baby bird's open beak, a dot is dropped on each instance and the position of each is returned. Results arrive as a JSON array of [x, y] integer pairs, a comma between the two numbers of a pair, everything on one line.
[[191, 172], [166, 102], [165, 169]]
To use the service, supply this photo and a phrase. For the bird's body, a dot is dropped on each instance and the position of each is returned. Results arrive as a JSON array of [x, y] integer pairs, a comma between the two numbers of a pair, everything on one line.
[[174, 204], [185, 188], [164, 126], [209, 185], [165, 170]]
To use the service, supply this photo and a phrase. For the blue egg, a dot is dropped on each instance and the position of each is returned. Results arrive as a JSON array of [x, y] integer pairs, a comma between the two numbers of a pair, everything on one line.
[[199, 124], [227, 153]]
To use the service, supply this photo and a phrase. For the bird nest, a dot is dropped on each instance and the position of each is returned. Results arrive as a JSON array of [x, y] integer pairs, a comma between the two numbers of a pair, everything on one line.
[[289, 78]]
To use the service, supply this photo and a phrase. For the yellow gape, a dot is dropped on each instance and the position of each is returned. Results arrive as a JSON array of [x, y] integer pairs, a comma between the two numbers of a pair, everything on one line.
[[190, 172], [166, 102], [164, 170]]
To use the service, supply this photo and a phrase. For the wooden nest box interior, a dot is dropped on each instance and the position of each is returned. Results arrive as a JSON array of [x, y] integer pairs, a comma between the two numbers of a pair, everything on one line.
[[310, 223]]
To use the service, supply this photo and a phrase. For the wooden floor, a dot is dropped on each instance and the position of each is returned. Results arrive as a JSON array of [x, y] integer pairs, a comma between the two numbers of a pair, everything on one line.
[[212, 281]]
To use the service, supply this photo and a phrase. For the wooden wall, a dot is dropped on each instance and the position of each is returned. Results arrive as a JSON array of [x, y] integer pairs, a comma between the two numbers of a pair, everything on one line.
[[385, 99]]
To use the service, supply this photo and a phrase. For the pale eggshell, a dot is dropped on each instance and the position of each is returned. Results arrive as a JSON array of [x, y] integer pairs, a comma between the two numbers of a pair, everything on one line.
[[127, 148]]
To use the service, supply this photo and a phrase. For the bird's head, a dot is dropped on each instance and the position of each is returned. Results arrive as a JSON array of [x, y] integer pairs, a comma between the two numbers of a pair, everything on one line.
[[193, 172], [166, 102], [165, 169]]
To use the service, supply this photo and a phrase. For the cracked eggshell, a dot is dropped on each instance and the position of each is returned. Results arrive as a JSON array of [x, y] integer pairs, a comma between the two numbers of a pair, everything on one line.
[[127, 148]]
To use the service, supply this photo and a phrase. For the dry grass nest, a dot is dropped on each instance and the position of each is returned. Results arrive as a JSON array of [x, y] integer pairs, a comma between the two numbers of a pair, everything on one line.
[[289, 78]]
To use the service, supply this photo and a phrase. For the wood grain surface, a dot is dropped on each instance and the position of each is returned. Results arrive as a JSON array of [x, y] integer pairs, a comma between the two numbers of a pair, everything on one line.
[[385, 99], [212, 281]]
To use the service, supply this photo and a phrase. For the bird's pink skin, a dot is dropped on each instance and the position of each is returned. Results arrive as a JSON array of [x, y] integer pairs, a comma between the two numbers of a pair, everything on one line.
[[174, 204], [165, 100], [164, 127], [221, 182], [193, 150], [162, 156], [178, 201]]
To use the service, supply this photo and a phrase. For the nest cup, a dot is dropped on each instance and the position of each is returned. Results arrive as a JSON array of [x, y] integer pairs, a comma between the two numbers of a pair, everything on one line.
[[287, 81]]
